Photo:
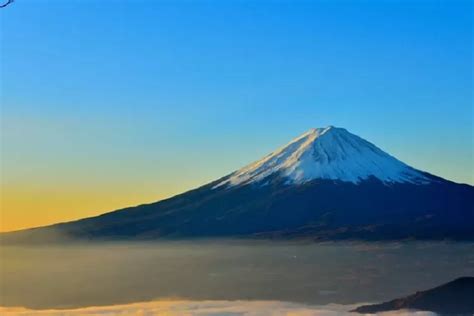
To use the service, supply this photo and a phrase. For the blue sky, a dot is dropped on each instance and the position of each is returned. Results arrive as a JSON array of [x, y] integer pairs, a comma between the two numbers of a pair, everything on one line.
[[151, 98]]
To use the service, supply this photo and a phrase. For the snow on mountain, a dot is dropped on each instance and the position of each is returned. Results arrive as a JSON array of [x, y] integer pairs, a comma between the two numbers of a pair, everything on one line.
[[328, 153]]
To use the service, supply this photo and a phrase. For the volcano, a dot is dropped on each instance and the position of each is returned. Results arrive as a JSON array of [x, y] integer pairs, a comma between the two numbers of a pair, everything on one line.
[[326, 184]]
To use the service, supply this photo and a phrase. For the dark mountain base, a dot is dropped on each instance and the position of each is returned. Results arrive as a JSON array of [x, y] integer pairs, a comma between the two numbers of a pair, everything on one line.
[[317, 210], [453, 298]]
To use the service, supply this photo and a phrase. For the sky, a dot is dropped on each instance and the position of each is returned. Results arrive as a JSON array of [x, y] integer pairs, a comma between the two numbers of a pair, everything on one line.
[[107, 104]]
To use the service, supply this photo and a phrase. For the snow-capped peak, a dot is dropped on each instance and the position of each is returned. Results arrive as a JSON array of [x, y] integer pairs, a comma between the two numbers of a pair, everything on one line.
[[328, 153]]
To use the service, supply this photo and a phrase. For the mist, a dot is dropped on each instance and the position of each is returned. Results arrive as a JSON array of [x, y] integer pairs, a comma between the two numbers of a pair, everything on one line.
[[75, 276]]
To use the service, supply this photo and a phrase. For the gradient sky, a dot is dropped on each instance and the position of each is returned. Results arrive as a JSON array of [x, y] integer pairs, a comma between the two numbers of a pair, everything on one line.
[[107, 104]]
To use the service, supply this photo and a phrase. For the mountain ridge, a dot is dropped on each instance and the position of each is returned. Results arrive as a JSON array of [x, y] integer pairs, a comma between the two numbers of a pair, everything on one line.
[[452, 298]]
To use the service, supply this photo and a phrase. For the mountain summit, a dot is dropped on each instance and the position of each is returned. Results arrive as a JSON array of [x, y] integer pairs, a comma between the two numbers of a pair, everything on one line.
[[328, 153], [326, 184]]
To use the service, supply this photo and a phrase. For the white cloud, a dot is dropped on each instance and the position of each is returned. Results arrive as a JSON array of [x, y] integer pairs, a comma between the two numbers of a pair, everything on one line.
[[204, 308]]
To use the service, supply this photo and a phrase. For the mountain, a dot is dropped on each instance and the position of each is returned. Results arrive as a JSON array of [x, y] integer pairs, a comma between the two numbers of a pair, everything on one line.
[[328, 153], [453, 298], [326, 184]]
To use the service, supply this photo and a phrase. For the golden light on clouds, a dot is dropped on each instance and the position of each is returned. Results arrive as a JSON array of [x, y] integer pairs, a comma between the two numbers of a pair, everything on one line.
[[206, 308]]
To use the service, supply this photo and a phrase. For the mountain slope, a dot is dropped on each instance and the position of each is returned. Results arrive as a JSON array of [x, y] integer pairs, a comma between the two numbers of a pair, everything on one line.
[[453, 298], [327, 184]]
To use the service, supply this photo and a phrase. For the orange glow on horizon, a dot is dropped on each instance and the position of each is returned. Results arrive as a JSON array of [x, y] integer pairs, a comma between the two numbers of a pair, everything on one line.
[[27, 207]]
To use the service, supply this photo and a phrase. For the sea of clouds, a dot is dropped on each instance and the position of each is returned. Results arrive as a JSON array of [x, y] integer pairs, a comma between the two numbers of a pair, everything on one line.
[[205, 308]]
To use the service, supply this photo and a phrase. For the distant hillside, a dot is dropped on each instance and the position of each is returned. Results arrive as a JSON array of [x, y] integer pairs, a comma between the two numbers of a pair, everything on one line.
[[453, 298]]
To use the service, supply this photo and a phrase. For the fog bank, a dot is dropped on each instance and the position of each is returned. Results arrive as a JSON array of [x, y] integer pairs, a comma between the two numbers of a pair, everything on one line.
[[207, 308], [313, 273]]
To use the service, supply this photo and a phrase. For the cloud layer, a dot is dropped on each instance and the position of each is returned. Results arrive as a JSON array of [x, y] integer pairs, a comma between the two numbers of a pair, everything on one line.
[[204, 308]]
